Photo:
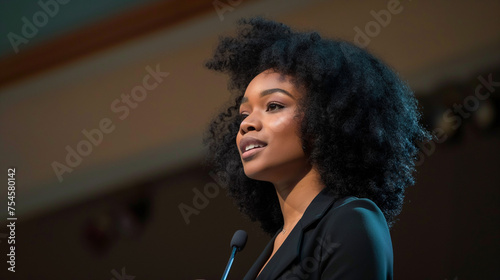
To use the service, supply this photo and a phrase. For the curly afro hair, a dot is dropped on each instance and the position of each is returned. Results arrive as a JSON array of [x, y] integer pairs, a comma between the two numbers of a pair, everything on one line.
[[360, 127]]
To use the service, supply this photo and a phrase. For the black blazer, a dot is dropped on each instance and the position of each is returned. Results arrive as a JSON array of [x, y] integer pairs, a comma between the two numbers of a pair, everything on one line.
[[344, 239]]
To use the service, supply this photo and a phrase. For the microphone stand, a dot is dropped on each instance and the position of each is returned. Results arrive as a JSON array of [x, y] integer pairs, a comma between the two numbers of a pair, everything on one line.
[[229, 263]]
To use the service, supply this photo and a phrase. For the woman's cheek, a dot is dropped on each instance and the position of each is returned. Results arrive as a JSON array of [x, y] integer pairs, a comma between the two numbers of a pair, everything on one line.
[[281, 123]]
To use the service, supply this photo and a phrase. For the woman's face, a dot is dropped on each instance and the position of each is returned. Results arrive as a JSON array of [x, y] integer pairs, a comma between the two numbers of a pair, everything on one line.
[[268, 140]]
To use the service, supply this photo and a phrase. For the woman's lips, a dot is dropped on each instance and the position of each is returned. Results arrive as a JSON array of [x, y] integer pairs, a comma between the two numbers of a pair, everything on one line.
[[255, 144], [251, 153]]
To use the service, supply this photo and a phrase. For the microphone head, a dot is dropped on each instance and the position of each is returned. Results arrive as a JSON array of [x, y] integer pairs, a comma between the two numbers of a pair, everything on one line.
[[239, 240]]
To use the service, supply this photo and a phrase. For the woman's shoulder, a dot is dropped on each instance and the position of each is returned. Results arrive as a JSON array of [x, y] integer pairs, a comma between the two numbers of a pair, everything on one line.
[[355, 206], [363, 247], [353, 214]]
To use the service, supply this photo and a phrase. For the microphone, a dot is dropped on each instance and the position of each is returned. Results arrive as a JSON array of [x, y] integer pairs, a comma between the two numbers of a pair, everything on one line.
[[237, 244]]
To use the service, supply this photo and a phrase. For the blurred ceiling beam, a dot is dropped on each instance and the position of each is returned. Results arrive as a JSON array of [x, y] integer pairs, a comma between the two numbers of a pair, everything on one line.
[[105, 34]]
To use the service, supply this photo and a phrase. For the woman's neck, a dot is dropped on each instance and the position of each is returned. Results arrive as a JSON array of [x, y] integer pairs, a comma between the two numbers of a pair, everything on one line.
[[296, 194]]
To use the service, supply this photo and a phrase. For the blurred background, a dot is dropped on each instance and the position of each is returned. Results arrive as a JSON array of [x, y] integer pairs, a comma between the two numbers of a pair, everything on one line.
[[103, 105]]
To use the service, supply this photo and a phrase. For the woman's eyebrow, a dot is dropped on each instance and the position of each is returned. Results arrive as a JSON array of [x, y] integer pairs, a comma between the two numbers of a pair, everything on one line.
[[267, 92]]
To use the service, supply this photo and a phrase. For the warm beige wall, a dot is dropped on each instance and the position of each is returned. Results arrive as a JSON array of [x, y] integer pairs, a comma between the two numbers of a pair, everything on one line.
[[40, 116]]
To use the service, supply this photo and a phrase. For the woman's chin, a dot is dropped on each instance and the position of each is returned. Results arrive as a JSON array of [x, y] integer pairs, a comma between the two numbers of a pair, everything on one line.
[[255, 174], [251, 175]]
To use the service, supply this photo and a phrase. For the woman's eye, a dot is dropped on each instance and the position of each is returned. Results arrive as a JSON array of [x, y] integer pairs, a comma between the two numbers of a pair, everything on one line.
[[274, 106]]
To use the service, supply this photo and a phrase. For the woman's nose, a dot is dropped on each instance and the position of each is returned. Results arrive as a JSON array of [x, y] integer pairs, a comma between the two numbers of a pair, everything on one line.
[[251, 122]]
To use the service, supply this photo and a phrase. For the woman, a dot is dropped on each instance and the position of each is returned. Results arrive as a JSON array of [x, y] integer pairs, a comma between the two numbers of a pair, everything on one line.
[[318, 145]]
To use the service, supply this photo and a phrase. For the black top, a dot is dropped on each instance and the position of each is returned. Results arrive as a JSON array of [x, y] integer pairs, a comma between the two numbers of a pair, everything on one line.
[[344, 239]]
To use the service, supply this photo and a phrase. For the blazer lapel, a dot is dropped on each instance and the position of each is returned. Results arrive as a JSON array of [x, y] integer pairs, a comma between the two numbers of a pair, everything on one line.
[[261, 260], [285, 255], [318, 207], [291, 247]]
